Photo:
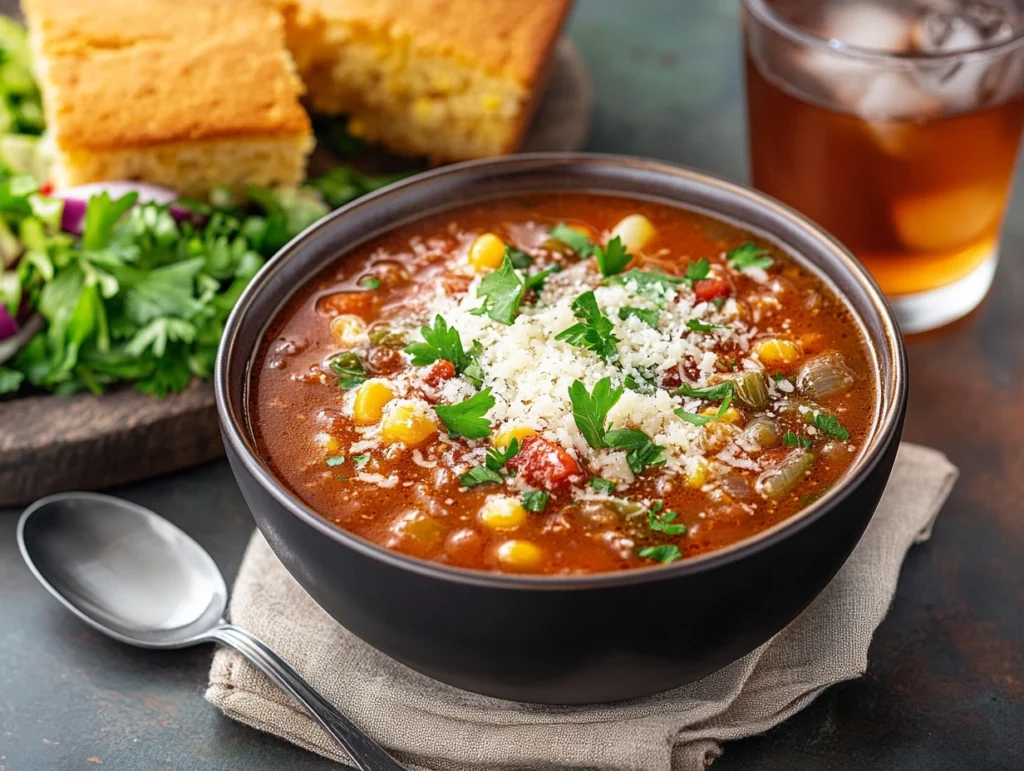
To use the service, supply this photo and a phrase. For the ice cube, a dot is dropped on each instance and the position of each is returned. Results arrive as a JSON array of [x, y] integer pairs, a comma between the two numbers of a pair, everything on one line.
[[836, 75], [867, 25], [894, 96], [947, 219]]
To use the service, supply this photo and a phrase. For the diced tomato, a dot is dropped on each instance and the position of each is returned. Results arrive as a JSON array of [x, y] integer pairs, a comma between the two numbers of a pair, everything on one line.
[[362, 304], [440, 371], [544, 464], [710, 288], [46, 188]]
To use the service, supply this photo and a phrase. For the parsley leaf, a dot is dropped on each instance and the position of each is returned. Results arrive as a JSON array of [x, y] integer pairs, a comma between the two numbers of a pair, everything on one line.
[[749, 255], [711, 393], [101, 215], [518, 258], [536, 500], [790, 439], [595, 332], [646, 381], [536, 281], [700, 420], [699, 326], [502, 291], [572, 238], [590, 410], [467, 417], [664, 523], [830, 426], [643, 452], [442, 342], [665, 553], [648, 316], [650, 284], [697, 271], [336, 460], [481, 475], [10, 380], [360, 461], [497, 458], [370, 282], [612, 258], [603, 486], [350, 369]]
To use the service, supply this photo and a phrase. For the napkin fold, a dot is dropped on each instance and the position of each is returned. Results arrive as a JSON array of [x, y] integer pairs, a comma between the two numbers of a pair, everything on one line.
[[429, 725]]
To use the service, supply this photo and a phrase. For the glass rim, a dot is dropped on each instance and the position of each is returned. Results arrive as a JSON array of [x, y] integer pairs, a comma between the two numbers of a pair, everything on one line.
[[797, 34]]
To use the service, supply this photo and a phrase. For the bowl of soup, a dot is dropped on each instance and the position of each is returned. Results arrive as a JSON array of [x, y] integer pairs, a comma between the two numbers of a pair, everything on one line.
[[563, 428]]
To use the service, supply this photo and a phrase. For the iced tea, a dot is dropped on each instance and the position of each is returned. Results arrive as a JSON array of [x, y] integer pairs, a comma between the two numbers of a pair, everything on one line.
[[896, 127]]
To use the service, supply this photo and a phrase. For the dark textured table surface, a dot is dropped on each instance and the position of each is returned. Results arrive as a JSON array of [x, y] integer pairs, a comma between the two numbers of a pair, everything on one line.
[[945, 681]]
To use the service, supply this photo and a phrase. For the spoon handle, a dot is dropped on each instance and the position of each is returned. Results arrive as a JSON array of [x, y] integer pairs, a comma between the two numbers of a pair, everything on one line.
[[364, 752]]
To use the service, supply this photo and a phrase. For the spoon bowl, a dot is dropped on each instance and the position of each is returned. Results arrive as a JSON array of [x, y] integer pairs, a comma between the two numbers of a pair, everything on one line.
[[134, 576], [123, 569]]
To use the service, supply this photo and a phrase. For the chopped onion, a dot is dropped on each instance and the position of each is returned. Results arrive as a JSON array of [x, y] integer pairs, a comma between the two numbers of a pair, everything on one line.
[[72, 218], [8, 326]]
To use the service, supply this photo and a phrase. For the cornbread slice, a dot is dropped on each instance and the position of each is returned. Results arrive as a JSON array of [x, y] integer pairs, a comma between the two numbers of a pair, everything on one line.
[[184, 93], [449, 79]]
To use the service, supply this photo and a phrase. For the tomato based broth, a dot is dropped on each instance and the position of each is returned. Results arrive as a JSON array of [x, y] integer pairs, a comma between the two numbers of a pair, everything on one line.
[[670, 386]]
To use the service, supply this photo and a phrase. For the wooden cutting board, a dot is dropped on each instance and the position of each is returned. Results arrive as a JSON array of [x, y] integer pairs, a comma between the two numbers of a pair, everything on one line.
[[51, 444]]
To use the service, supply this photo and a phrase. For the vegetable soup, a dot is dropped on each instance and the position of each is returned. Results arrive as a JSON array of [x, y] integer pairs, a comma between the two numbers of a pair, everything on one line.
[[562, 383]]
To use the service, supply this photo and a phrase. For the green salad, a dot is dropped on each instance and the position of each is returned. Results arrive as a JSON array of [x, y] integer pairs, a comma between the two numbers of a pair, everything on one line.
[[116, 290]]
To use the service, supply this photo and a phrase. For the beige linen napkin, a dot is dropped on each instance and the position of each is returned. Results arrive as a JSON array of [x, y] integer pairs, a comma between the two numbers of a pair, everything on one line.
[[434, 726]]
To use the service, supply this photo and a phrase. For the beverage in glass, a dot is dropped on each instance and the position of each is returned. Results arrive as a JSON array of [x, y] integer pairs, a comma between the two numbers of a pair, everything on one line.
[[895, 126]]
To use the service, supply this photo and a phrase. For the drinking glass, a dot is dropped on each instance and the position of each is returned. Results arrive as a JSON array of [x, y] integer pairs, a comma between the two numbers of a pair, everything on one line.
[[895, 126]]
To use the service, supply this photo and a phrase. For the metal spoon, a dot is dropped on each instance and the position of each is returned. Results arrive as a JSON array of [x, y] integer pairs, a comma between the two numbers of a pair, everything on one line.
[[134, 576]]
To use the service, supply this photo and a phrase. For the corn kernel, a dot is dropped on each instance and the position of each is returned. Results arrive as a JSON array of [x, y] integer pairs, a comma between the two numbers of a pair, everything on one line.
[[503, 438], [635, 231], [407, 424], [520, 555], [500, 513], [486, 253], [326, 441], [348, 331], [490, 102], [777, 352], [699, 475], [371, 397], [731, 415]]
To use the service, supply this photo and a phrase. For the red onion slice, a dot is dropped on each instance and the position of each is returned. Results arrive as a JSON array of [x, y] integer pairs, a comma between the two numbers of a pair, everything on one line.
[[72, 219], [8, 326]]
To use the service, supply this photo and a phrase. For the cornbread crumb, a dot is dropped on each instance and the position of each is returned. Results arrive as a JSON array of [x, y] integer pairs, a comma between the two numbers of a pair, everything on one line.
[[185, 93], [451, 80]]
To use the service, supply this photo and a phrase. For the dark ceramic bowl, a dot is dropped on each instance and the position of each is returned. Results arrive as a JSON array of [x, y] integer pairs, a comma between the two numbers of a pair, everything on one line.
[[572, 639]]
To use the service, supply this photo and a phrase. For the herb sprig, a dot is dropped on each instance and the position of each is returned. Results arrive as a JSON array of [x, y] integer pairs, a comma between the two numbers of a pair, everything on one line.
[[467, 417], [594, 332], [749, 255]]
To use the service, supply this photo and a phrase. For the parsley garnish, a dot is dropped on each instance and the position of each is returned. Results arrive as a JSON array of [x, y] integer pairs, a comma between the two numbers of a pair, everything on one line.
[[442, 342], [650, 284], [749, 255], [518, 258], [572, 238], [613, 258], [536, 281], [697, 271], [360, 461], [350, 369], [665, 553], [643, 453], [700, 420], [595, 332], [830, 426], [646, 383], [336, 460], [590, 410], [370, 282], [467, 417], [664, 523], [718, 302], [648, 316], [699, 326], [481, 475], [603, 486], [711, 393], [790, 439], [536, 500], [502, 291]]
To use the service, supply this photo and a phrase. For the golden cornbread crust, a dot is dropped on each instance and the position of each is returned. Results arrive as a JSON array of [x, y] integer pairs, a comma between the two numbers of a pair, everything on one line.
[[450, 79], [127, 77]]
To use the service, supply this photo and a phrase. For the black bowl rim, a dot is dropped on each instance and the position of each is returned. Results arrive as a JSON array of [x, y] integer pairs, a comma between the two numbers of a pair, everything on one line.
[[887, 424]]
